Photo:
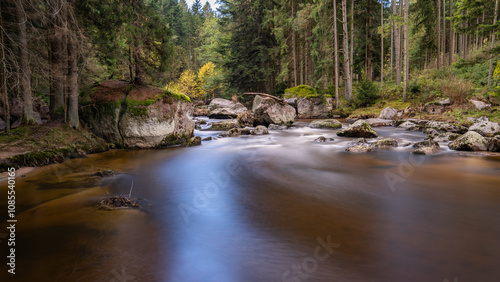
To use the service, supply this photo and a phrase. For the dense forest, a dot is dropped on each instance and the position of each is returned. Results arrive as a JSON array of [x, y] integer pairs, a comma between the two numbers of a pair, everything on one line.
[[53, 49]]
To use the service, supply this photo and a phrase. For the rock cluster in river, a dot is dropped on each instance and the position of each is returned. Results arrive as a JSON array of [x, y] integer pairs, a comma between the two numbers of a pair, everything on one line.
[[470, 141], [325, 124]]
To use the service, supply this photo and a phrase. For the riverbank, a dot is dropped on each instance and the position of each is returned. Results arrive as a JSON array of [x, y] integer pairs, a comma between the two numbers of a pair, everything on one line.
[[39, 145]]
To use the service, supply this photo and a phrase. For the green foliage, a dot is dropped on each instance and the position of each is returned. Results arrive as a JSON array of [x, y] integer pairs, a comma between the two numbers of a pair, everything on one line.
[[301, 91], [367, 93]]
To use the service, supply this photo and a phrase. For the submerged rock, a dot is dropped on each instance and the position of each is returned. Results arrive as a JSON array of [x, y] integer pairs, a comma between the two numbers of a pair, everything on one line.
[[235, 132], [425, 151], [325, 124], [470, 141], [359, 141], [385, 143], [359, 149], [358, 129], [323, 139], [426, 143], [277, 127], [106, 173], [209, 138], [222, 108], [260, 130], [268, 111]]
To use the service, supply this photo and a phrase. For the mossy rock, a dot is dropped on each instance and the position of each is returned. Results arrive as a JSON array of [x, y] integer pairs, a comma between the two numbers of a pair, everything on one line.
[[385, 143], [325, 124], [358, 129]]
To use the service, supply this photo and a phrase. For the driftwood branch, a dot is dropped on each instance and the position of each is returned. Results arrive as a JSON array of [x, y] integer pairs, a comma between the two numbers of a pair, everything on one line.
[[282, 101]]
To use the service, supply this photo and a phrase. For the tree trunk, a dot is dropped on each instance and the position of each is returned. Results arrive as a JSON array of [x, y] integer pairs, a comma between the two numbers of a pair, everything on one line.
[[382, 44], [490, 73], [406, 53], [3, 79], [369, 42], [393, 6], [294, 50], [351, 53], [439, 35], [24, 66], [309, 65], [347, 64], [73, 90], [452, 35], [397, 45], [444, 36], [57, 58], [336, 53]]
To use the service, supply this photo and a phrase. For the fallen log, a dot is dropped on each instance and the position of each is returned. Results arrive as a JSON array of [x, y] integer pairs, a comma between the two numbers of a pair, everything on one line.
[[282, 101]]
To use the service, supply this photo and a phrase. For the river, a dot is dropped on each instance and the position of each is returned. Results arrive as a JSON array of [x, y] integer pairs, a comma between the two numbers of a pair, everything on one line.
[[277, 207]]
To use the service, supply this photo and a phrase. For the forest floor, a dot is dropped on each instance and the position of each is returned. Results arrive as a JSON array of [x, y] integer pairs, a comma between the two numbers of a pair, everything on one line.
[[40, 145]]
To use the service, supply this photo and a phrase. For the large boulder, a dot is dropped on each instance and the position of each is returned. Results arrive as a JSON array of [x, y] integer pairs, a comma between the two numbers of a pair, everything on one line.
[[269, 111], [358, 129], [138, 117], [388, 113], [222, 108], [470, 141], [325, 124], [315, 108], [486, 128]]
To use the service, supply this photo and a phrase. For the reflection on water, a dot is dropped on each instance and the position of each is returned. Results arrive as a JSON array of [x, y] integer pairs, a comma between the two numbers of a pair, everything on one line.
[[256, 208]]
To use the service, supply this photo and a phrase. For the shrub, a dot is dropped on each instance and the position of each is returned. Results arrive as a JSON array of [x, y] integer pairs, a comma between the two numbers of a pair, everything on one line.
[[301, 91], [457, 89], [366, 93]]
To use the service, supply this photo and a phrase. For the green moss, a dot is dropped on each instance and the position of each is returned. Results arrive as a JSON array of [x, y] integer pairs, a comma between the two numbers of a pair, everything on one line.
[[176, 96], [301, 91]]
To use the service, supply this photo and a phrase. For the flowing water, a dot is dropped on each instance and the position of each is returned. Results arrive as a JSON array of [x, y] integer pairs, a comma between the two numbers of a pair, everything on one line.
[[277, 207]]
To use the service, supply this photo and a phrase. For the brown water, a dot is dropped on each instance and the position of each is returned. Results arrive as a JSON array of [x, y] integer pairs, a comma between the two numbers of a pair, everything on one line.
[[257, 208]]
